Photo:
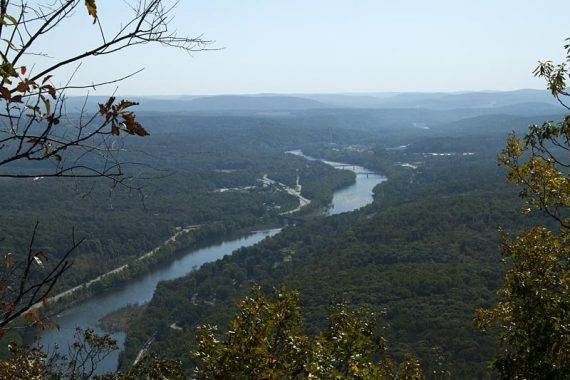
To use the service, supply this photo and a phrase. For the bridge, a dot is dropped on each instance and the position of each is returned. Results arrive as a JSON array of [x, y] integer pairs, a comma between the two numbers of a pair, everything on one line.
[[353, 168], [344, 166]]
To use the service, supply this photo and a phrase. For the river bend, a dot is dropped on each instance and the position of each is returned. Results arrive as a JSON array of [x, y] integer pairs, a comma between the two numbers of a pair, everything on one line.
[[86, 314]]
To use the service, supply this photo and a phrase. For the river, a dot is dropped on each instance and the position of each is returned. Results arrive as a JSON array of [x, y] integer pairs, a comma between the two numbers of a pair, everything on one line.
[[352, 197], [86, 314]]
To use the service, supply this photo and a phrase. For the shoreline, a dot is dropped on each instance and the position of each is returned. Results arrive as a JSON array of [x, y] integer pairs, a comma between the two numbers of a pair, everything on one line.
[[87, 284], [64, 300]]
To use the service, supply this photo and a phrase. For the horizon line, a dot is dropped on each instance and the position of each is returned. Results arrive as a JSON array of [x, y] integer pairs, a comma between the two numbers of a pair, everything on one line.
[[253, 94]]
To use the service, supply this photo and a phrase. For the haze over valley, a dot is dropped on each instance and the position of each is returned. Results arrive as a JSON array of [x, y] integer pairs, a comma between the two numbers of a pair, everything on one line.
[[301, 215]]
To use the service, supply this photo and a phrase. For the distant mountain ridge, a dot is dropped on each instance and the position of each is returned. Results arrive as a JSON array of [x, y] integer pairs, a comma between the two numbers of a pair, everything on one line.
[[220, 103], [522, 100], [256, 103], [439, 101]]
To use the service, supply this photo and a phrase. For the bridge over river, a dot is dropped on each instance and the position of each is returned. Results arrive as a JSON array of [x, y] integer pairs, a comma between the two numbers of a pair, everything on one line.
[[355, 168]]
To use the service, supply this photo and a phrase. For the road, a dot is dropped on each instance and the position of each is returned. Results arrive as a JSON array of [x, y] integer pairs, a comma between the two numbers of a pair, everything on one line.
[[116, 270], [296, 192]]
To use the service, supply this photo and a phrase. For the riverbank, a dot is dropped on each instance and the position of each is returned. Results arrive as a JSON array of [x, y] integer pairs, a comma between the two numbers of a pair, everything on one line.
[[117, 271], [179, 306], [183, 239], [192, 237], [88, 313], [96, 306], [129, 271], [120, 319]]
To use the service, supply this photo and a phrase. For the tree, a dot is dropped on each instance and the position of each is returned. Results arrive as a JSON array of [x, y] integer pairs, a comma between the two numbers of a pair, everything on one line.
[[34, 125], [81, 362], [533, 317], [265, 341]]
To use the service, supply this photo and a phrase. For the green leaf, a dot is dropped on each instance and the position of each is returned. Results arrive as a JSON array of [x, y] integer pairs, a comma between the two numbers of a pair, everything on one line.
[[12, 19], [10, 44]]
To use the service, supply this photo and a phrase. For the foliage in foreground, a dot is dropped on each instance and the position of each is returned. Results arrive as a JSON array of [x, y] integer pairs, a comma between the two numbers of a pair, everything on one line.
[[533, 317], [81, 362], [266, 341]]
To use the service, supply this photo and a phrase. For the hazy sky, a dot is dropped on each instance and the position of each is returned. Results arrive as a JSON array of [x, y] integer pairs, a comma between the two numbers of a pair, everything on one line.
[[316, 46]]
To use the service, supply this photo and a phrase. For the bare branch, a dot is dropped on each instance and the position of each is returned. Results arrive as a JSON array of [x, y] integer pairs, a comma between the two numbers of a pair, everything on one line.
[[30, 291]]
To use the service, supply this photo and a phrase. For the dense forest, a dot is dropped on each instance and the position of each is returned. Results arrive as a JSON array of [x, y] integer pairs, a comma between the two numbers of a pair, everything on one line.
[[352, 235], [425, 253], [183, 188]]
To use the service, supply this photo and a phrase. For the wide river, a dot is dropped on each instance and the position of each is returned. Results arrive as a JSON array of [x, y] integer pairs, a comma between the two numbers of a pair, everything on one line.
[[86, 314]]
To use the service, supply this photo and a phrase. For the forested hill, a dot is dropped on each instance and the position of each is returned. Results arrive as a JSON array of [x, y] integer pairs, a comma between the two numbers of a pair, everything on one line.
[[426, 252], [180, 170]]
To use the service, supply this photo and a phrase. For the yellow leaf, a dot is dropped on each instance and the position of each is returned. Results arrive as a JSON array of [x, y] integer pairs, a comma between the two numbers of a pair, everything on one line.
[[31, 315], [91, 9]]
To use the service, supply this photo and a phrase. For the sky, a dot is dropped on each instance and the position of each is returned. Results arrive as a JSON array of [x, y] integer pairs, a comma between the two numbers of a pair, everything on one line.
[[327, 46]]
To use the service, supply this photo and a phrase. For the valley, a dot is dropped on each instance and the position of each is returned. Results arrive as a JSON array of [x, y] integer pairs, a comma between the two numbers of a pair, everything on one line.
[[284, 190], [420, 248], [86, 315]]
